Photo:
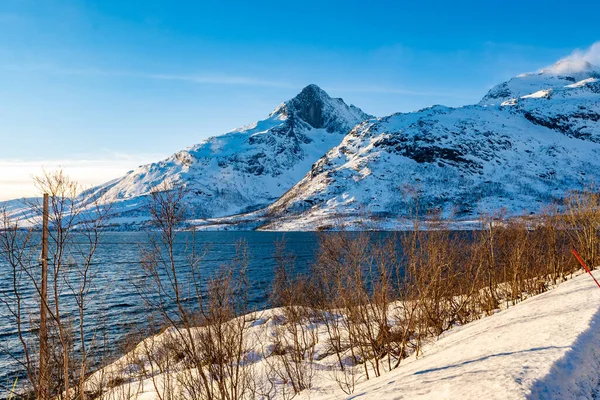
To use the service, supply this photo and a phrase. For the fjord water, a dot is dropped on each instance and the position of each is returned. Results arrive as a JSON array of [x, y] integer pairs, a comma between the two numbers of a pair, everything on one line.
[[115, 306]]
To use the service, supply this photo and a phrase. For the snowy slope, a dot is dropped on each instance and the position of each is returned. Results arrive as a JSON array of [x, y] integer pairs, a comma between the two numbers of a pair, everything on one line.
[[547, 347], [248, 167], [537, 139], [557, 76], [315, 161]]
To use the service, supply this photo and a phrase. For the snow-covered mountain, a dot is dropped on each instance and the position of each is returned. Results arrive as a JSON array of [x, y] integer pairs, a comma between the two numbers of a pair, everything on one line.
[[556, 77], [315, 161], [246, 168], [526, 143]]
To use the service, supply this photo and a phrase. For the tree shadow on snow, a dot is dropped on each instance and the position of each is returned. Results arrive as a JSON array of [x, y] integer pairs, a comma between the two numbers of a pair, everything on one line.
[[504, 354], [577, 373]]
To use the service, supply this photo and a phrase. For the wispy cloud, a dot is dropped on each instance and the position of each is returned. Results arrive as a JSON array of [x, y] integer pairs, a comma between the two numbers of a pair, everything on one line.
[[578, 60], [220, 79], [199, 78], [235, 80]]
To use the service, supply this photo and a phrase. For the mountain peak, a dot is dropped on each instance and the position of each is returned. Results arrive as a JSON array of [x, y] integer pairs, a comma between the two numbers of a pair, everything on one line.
[[564, 73], [312, 90], [569, 66], [315, 107], [309, 105]]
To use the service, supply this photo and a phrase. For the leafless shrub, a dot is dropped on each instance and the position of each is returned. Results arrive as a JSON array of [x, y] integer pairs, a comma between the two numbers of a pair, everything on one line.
[[76, 220], [294, 337], [202, 353], [367, 303], [583, 218]]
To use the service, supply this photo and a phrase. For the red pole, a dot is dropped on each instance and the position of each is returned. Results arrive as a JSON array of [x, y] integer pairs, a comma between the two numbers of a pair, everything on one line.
[[584, 265]]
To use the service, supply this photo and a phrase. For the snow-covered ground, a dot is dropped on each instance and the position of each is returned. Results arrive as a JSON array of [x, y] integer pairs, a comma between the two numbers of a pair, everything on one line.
[[546, 347]]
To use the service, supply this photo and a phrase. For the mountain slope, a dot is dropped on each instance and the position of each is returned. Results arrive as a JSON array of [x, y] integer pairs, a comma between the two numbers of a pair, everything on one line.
[[248, 167], [315, 161], [557, 76], [525, 144], [542, 348]]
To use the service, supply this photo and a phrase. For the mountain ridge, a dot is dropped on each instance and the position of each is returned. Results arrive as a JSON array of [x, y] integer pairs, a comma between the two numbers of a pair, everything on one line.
[[520, 151], [245, 168], [315, 159]]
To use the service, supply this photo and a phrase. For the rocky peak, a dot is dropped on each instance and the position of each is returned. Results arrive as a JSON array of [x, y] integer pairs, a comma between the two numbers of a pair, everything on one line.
[[309, 105], [315, 107]]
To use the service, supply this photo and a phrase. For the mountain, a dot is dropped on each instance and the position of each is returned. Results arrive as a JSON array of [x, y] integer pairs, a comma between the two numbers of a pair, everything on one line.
[[556, 77], [316, 161], [246, 168], [525, 144]]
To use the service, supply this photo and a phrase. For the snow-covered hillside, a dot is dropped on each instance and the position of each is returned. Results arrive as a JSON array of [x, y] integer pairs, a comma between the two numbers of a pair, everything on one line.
[[560, 75], [546, 347], [316, 161], [248, 167], [524, 145]]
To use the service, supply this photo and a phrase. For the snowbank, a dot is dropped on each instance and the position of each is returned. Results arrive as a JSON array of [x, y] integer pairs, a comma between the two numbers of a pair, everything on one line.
[[547, 347]]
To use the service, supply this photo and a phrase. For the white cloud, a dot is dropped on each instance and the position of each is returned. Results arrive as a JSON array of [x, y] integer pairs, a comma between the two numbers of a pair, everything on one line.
[[200, 78], [16, 176], [591, 55], [578, 60]]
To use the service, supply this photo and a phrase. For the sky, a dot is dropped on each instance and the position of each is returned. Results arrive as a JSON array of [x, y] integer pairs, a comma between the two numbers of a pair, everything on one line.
[[100, 87]]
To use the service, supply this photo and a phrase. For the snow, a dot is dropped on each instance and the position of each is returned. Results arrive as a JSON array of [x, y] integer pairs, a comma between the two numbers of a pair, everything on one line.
[[521, 156], [557, 77], [246, 168], [539, 94], [315, 160], [509, 102], [582, 83], [546, 347]]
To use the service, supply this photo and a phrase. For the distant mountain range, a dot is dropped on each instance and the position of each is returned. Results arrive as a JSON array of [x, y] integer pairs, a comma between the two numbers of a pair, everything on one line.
[[315, 161]]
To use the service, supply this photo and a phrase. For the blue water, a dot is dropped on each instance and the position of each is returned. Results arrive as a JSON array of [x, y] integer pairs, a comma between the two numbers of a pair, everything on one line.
[[116, 308]]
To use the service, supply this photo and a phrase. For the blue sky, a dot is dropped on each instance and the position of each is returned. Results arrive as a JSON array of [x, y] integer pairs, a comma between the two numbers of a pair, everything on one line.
[[107, 85]]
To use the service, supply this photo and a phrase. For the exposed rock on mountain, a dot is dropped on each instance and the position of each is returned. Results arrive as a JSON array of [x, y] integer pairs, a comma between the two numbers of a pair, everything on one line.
[[315, 161], [527, 142], [246, 168]]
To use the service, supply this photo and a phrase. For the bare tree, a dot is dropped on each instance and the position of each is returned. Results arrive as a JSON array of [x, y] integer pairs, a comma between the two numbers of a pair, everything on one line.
[[294, 337], [206, 315], [76, 220], [583, 217]]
